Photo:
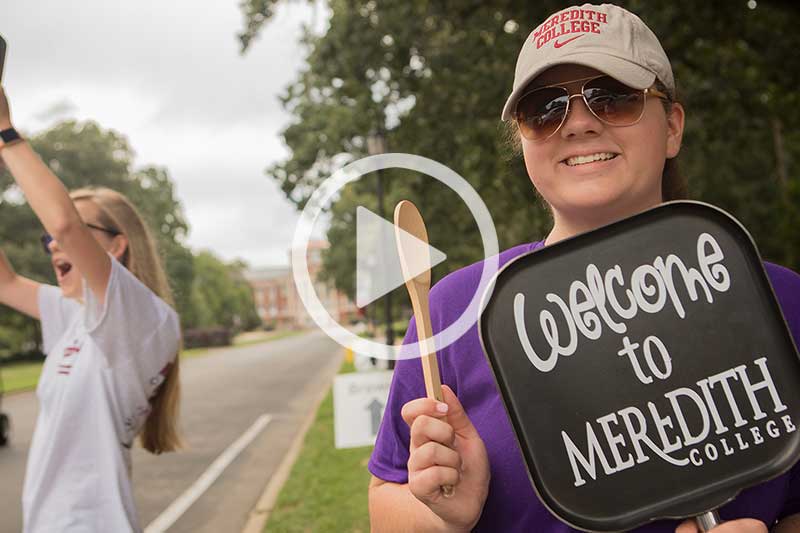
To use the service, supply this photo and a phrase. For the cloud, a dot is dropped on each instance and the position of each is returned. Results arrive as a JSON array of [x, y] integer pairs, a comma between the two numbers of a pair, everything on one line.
[[169, 76]]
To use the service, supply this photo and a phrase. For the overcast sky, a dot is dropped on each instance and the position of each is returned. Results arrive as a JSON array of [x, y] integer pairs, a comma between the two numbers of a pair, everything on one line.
[[168, 75]]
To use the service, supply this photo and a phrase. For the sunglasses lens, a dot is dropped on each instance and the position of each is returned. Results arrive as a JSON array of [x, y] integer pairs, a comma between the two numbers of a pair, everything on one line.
[[614, 102], [46, 240], [540, 112]]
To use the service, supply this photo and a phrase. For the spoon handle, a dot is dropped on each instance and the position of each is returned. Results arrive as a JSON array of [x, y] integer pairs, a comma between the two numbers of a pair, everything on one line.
[[408, 219]]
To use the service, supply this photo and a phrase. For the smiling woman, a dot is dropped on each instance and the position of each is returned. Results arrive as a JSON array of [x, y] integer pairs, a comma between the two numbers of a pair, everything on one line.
[[594, 169], [593, 110], [111, 338]]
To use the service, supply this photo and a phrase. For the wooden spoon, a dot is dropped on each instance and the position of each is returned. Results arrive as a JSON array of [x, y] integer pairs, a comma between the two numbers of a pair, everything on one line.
[[408, 219]]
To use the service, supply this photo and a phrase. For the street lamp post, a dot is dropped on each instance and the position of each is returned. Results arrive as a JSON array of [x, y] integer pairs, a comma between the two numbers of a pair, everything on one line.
[[376, 145]]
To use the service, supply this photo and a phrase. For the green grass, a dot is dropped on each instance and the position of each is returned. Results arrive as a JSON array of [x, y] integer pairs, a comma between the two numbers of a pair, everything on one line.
[[238, 343], [196, 352], [25, 376], [22, 376], [327, 488], [268, 336]]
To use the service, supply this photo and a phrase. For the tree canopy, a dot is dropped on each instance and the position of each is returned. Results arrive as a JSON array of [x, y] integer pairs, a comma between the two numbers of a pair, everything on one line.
[[435, 74], [220, 295]]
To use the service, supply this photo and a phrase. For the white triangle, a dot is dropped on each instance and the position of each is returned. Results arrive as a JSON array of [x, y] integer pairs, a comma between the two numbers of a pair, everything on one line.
[[378, 268]]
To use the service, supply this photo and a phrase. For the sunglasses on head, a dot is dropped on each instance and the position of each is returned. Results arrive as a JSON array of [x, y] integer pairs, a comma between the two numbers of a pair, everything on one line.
[[46, 239], [542, 111]]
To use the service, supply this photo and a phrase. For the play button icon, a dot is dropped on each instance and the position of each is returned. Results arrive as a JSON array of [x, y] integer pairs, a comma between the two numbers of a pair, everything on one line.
[[378, 268]]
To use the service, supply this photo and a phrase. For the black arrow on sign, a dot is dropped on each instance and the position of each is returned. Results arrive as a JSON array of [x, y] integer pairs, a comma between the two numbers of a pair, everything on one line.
[[376, 411]]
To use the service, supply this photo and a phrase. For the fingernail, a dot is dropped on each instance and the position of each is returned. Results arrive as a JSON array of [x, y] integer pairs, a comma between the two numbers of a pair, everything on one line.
[[441, 407]]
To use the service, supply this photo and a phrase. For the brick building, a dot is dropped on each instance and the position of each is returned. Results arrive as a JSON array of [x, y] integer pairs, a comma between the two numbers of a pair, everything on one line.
[[276, 298]]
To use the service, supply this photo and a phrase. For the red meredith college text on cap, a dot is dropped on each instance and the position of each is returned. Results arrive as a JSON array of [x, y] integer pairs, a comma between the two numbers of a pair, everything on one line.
[[605, 37]]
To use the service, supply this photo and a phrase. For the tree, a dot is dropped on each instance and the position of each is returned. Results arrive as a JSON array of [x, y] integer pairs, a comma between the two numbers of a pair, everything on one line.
[[435, 74], [220, 295]]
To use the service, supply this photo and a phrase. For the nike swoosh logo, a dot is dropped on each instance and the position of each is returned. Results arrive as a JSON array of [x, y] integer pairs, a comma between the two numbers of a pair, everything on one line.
[[560, 44]]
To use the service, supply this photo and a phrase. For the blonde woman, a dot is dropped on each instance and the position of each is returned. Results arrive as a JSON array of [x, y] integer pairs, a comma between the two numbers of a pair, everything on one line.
[[111, 337]]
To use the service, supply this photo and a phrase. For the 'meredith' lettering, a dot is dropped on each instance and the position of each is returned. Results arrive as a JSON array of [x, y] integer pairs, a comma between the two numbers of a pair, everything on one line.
[[572, 21]]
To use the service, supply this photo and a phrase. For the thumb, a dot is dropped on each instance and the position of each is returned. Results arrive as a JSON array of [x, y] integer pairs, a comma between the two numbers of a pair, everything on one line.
[[456, 416], [688, 526]]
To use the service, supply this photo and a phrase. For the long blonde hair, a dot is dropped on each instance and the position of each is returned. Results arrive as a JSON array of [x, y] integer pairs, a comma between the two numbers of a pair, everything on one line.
[[160, 433]]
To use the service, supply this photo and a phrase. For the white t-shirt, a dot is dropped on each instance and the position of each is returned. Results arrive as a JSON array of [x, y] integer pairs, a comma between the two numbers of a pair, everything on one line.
[[104, 361]]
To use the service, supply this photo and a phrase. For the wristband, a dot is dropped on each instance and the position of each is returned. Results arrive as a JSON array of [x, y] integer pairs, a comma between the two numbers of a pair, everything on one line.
[[9, 136]]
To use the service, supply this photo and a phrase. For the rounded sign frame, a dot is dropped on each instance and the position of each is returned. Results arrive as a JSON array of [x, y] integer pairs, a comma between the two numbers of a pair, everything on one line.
[[549, 418]]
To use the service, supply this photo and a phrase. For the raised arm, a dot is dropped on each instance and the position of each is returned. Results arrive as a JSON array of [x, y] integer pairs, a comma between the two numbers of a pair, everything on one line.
[[50, 201], [17, 292]]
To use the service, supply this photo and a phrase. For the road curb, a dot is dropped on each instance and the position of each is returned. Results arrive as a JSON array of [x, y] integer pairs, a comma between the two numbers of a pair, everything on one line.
[[258, 516]]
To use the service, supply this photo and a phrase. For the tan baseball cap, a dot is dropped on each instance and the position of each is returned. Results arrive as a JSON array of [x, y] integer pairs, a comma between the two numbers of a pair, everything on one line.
[[605, 37]]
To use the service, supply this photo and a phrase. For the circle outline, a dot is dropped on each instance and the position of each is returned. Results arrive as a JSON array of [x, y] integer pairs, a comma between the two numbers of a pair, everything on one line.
[[323, 194]]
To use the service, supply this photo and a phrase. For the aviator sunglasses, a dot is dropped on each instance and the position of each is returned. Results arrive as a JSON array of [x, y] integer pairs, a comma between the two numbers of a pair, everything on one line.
[[47, 238], [541, 112]]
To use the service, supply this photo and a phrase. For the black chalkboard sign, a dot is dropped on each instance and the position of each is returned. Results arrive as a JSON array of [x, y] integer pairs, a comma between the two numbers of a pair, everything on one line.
[[646, 367]]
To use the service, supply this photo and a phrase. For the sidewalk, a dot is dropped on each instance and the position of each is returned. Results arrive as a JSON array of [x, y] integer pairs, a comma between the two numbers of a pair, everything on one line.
[[259, 515], [316, 435]]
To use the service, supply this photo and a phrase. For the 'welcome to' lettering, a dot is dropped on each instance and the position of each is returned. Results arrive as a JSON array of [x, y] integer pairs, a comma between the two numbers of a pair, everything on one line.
[[651, 287]]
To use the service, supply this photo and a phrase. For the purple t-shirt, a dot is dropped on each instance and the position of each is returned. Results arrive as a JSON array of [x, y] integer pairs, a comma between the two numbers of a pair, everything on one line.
[[512, 504]]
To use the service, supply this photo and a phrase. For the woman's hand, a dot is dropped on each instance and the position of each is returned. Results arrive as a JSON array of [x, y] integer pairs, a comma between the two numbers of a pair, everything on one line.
[[744, 525], [5, 112], [446, 449]]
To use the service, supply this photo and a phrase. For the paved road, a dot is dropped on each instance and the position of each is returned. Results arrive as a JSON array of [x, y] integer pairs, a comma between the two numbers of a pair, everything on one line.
[[224, 394]]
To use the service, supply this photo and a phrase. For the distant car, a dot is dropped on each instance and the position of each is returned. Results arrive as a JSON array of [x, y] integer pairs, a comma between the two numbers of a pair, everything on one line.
[[5, 429], [5, 422]]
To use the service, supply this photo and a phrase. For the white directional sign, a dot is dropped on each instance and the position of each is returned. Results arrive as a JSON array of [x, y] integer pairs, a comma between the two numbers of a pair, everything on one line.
[[377, 261], [359, 399]]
